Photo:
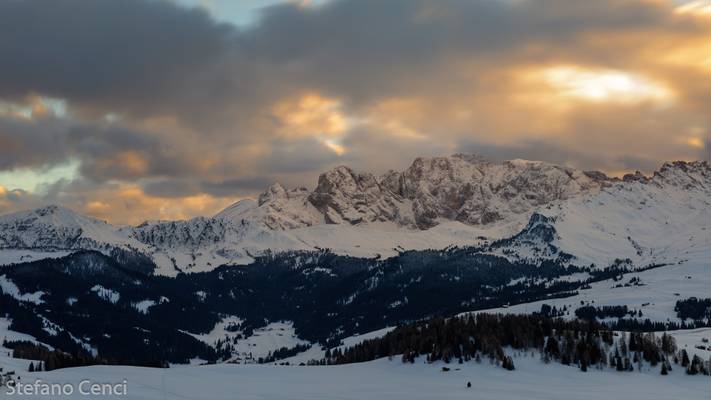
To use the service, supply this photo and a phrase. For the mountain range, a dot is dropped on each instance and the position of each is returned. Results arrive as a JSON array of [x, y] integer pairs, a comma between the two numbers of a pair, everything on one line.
[[461, 200]]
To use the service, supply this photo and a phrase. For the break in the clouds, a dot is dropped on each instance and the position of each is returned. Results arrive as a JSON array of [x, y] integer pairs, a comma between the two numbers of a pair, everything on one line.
[[169, 111]]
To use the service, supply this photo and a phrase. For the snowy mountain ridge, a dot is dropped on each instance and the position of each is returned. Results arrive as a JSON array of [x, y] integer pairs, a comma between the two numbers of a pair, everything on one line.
[[435, 203]]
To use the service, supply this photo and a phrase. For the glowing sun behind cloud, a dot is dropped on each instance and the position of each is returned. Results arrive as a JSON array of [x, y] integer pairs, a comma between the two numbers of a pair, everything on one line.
[[697, 7], [601, 85]]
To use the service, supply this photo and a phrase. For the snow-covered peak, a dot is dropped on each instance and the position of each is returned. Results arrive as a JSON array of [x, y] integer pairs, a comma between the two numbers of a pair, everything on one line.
[[237, 209], [52, 214], [464, 188], [54, 227], [695, 175]]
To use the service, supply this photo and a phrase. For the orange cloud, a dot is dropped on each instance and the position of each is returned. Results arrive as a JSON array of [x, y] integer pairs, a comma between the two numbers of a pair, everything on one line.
[[565, 85], [129, 204], [700, 8], [128, 163], [311, 115]]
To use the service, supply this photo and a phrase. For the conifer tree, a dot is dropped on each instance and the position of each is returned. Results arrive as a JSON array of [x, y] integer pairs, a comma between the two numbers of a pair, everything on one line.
[[684, 358]]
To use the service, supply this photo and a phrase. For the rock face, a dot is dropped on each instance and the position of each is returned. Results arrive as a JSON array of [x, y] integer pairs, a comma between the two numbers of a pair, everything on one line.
[[474, 191], [344, 196], [688, 176], [193, 233], [462, 188], [282, 209]]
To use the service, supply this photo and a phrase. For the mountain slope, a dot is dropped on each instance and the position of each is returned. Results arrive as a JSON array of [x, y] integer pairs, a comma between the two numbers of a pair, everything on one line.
[[55, 227]]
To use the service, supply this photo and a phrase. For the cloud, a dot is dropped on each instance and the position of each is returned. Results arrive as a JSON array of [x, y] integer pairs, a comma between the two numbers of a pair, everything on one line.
[[181, 62], [106, 150], [132, 56], [170, 188], [298, 156]]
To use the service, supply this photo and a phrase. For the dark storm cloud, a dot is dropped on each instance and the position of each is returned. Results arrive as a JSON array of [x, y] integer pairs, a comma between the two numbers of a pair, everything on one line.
[[373, 149], [26, 144], [149, 57], [368, 47], [16, 195], [552, 152], [106, 150], [636, 163], [236, 187], [131, 56], [539, 150], [226, 188], [289, 156]]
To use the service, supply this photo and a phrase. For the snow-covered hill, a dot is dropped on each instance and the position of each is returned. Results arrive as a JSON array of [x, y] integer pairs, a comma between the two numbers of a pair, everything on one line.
[[55, 231], [435, 203], [382, 379]]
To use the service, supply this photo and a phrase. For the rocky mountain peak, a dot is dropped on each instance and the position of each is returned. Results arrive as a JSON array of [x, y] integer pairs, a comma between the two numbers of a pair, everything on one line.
[[694, 175], [53, 210], [470, 189], [688, 175], [275, 192], [343, 195], [466, 188]]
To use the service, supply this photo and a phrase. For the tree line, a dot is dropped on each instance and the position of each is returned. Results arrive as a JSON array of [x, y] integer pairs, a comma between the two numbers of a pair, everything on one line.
[[581, 343], [55, 359], [693, 308]]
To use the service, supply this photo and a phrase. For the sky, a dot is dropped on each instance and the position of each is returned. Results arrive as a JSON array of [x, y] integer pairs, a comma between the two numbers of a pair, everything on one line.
[[145, 109]]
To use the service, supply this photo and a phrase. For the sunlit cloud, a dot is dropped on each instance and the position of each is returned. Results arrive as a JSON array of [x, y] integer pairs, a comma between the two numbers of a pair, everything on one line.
[[697, 7], [312, 115], [131, 163], [601, 85], [696, 142], [397, 116], [334, 145], [34, 106], [130, 204], [694, 137], [12, 199], [693, 53]]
